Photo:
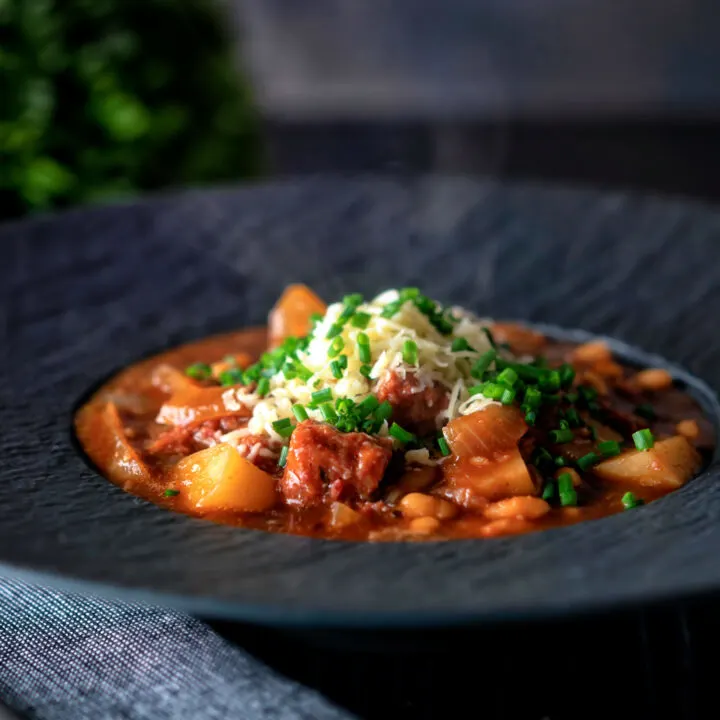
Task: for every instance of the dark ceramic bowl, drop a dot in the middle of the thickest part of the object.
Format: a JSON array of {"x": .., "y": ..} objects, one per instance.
[{"x": 88, "y": 292}]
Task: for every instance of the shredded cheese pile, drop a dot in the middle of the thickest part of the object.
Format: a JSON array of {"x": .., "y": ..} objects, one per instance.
[{"x": 435, "y": 362}]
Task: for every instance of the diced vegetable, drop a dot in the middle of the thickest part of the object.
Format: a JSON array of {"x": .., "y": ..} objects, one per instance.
[
  {"x": 486, "y": 460},
  {"x": 496, "y": 429},
  {"x": 341, "y": 515},
  {"x": 196, "y": 404},
  {"x": 505, "y": 476},
  {"x": 667, "y": 465},
  {"x": 220, "y": 479},
  {"x": 291, "y": 314},
  {"x": 109, "y": 445}
]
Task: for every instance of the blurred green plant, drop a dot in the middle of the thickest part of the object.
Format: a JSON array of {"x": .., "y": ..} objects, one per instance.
[{"x": 104, "y": 98}]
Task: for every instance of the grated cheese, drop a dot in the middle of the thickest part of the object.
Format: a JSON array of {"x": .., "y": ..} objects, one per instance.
[{"x": 435, "y": 363}]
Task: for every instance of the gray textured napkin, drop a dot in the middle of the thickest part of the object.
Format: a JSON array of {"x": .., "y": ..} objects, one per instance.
[{"x": 70, "y": 657}]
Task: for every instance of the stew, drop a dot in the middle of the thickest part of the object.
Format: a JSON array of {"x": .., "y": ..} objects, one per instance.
[{"x": 393, "y": 418}]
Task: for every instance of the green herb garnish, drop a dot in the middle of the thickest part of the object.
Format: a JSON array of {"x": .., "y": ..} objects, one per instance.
[
  {"x": 643, "y": 439},
  {"x": 198, "y": 371}
]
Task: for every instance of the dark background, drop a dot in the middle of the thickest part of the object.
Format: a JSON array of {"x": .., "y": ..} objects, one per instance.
[{"x": 676, "y": 158}]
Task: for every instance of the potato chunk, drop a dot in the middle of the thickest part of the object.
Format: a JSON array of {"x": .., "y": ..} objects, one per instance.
[
  {"x": 486, "y": 460},
  {"x": 219, "y": 478},
  {"x": 668, "y": 465},
  {"x": 291, "y": 314}
]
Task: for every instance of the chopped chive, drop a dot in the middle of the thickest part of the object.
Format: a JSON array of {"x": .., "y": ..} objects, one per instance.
[
  {"x": 588, "y": 394},
  {"x": 573, "y": 418},
  {"x": 336, "y": 347},
  {"x": 409, "y": 352},
  {"x": 630, "y": 501},
  {"x": 442, "y": 444},
  {"x": 527, "y": 372},
  {"x": 321, "y": 396},
  {"x": 409, "y": 293},
  {"x": 334, "y": 331},
  {"x": 530, "y": 417},
  {"x": 283, "y": 427},
  {"x": 234, "y": 376},
  {"x": 368, "y": 405},
  {"x": 559, "y": 437},
  {"x": 508, "y": 396},
  {"x": 198, "y": 371},
  {"x": 263, "y": 386},
  {"x": 549, "y": 490},
  {"x": 391, "y": 309},
  {"x": 566, "y": 491},
  {"x": 567, "y": 375},
  {"x": 564, "y": 424},
  {"x": 643, "y": 439},
  {"x": 493, "y": 390},
  {"x": 342, "y": 361},
  {"x": 371, "y": 426},
  {"x": 344, "y": 405},
  {"x": 646, "y": 411},
  {"x": 550, "y": 381},
  {"x": 360, "y": 320},
  {"x": 315, "y": 318},
  {"x": 401, "y": 434},
  {"x": 587, "y": 461},
  {"x": 476, "y": 389},
  {"x": 560, "y": 461},
  {"x": 353, "y": 300},
  {"x": 171, "y": 493},
  {"x": 363, "y": 344},
  {"x": 609, "y": 448},
  {"x": 565, "y": 482},
  {"x": 383, "y": 411},
  {"x": 300, "y": 413},
  {"x": 542, "y": 457},
  {"x": 482, "y": 364},
  {"x": 508, "y": 376},
  {"x": 533, "y": 397},
  {"x": 490, "y": 338},
  {"x": 252, "y": 374},
  {"x": 347, "y": 312},
  {"x": 461, "y": 345},
  {"x": 302, "y": 372},
  {"x": 365, "y": 370},
  {"x": 328, "y": 413},
  {"x": 289, "y": 371},
  {"x": 283, "y": 456},
  {"x": 336, "y": 369}
]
